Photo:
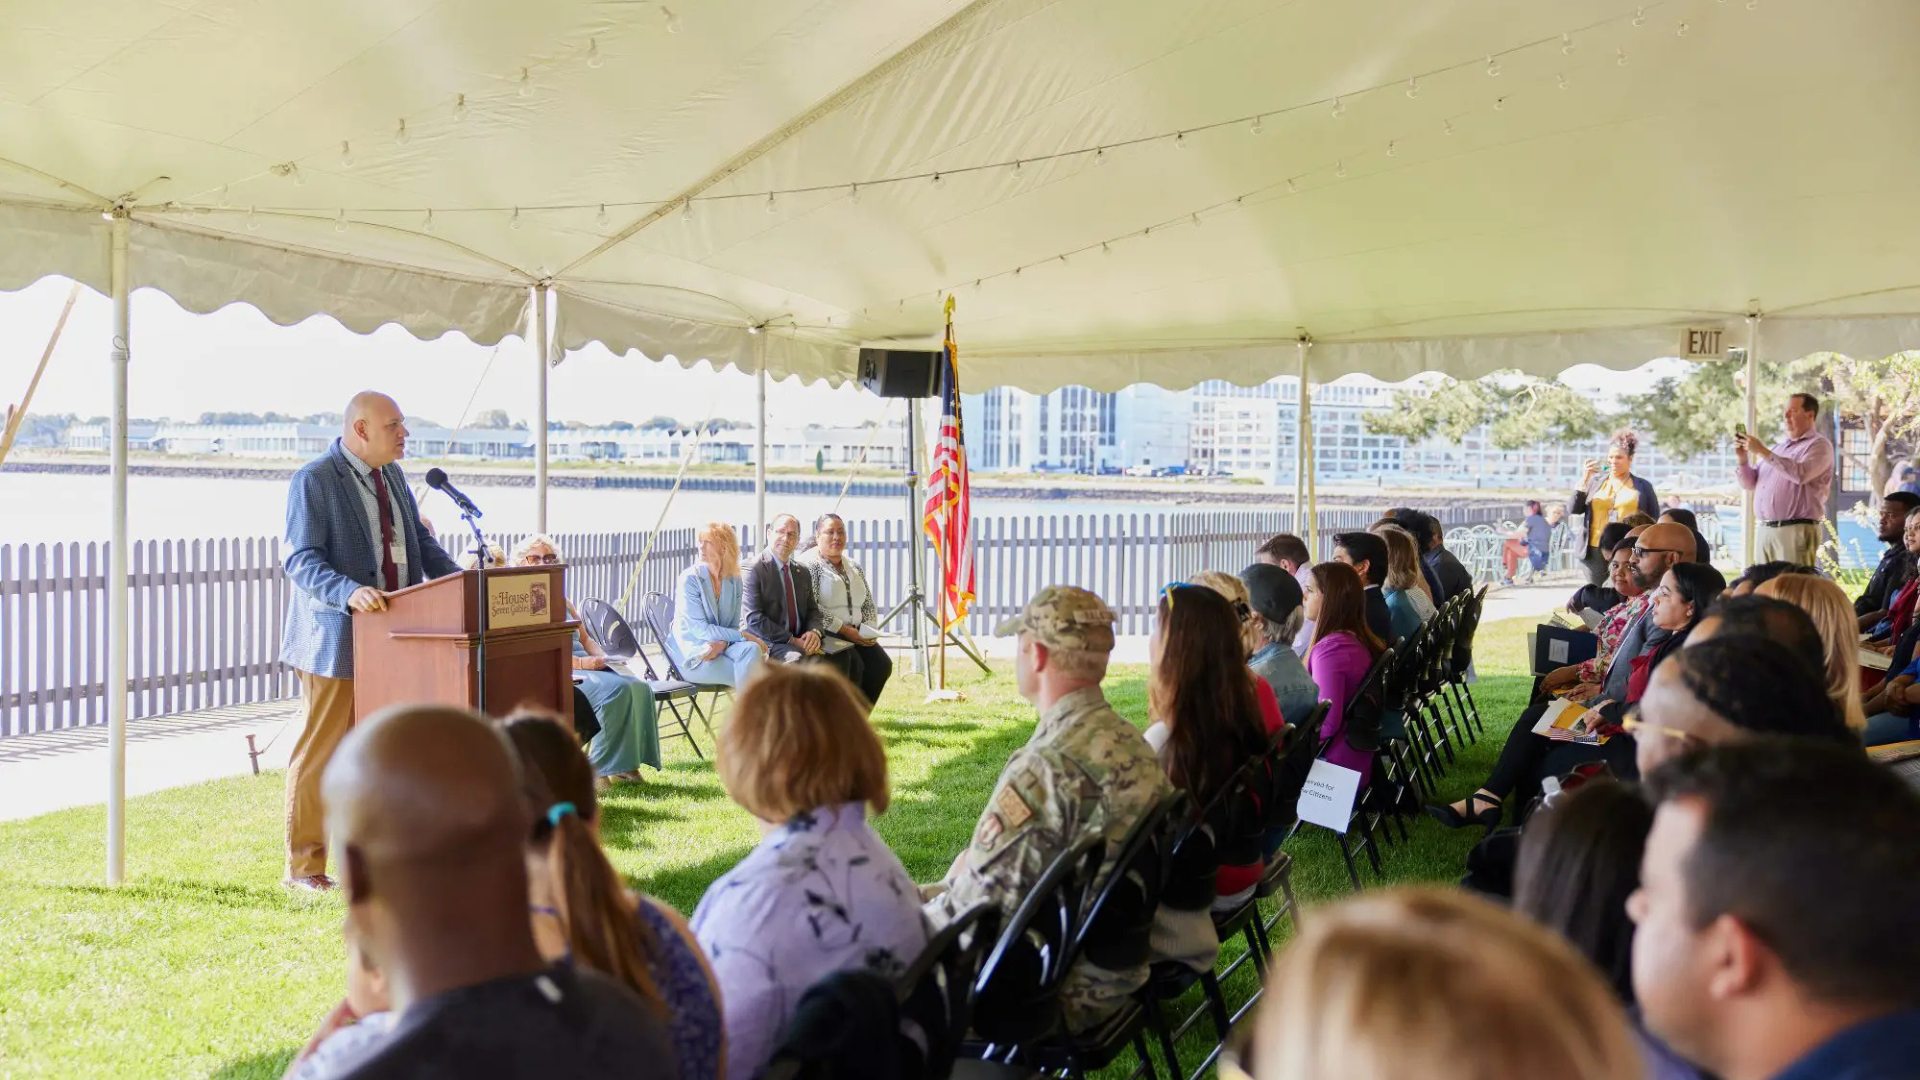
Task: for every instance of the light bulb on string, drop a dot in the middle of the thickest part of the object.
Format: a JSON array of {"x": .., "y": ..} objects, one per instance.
[
  {"x": 514, "y": 222},
  {"x": 1019, "y": 167},
  {"x": 853, "y": 193},
  {"x": 1259, "y": 125},
  {"x": 1681, "y": 30},
  {"x": 1639, "y": 16},
  {"x": 1560, "y": 80},
  {"x": 686, "y": 210},
  {"x": 1447, "y": 126},
  {"x": 346, "y": 154},
  {"x": 1180, "y": 139},
  {"x": 1106, "y": 248},
  {"x": 1063, "y": 260},
  {"x": 459, "y": 107},
  {"x": 340, "y": 222},
  {"x": 1196, "y": 220},
  {"x": 1413, "y": 87},
  {"x": 253, "y": 219},
  {"x": 1620, "y": 57},
  {"x": 600, "y": 218},
  {"x": 1340, "y": 169},
  {"x": 976, "y": 284},
  {"x": 673, "y": 21},
  {"x": 1493, "y": 67},
  {"x": 1016, "y": 271},
  {"x": 1100, "y": 155},
  {"x": 427, "y": 224},
  {"x": 226, "y": 197},
  {"x": 1339, "y": 108},
  {"x": 1566, "y": 44},
  {"x": 1499, "y": 104},
  {"x": 938, "y": 180},
  {"x": 1292, "y": 188},
  {"x": 1392, "y": 148},
  {"x": 400, "y": 133},
  {"x": 594, "y": 59},
  {"x": 526, "y": 82}
]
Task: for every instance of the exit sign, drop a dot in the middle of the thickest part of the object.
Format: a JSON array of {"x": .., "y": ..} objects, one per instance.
[{"x": 1703, "y": 343}]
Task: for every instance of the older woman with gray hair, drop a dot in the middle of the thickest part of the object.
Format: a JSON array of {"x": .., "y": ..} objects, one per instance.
[
  {"x": 629, "y": 725},
  {"x": 1275, "y": 598}
]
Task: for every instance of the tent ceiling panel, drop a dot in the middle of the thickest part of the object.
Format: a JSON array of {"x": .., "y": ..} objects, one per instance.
[{"x": 1486, "y": 192}]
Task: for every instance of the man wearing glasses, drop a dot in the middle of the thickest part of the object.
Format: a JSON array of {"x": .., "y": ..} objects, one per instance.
[{"x": 1654, "y": 553}]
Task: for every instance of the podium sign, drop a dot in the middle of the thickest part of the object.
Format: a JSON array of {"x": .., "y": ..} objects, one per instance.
[{"x": 424, "y": 647}]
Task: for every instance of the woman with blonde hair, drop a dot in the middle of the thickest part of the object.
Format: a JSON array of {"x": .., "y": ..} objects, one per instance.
[
  {"x": 1839, "y": 629},
  {"x": 1438, "y": 984},
  {"x": 822, "y": 892},
  {"x": 1405, "y": 585},
  {"x": 709, "y": 646}
]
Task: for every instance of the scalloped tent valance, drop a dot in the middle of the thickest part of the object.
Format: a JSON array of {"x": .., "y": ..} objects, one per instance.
[{"x": 1115, "y": 190}]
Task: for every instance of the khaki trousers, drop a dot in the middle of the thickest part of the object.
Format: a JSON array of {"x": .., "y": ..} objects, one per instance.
[
  {"x": 329, "y": 704},
  {"x": 1786, "y": 543}
]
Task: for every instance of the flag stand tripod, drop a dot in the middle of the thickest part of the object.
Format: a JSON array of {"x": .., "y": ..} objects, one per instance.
[{"x": 916, "y": 598}]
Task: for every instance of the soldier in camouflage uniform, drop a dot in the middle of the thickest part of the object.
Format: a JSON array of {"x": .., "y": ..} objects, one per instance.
[{"x": 1085, "y": 772}]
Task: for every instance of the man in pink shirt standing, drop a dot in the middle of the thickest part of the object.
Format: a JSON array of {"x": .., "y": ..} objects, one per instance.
[{"x": 1789, "y": 484}]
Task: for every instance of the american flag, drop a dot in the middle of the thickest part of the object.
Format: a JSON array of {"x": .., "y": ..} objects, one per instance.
[{"x": 949, "y": 510}]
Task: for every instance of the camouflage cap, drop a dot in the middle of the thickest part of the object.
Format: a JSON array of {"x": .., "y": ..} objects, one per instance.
[{"x": 1064, "y": 617}]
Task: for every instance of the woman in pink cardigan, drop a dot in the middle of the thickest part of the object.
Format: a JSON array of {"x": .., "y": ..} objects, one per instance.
[{"x": 1343, "y": 651}]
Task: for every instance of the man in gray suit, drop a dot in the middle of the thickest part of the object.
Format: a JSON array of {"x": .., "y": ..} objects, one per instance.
[
  {"x": 778, "y": 600},
  {"x": 353, "y": 535}
]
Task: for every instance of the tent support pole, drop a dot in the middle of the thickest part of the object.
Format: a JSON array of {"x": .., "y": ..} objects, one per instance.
[
  {"x": 1308, "y": 466},
  {"x": 760, "y": 447},
  {"x": 1747, "y": 522},
  {"x": 1301, "y": 427},
  {"x": 541, "y": 356},
  {"x": 117, "y": 568}
]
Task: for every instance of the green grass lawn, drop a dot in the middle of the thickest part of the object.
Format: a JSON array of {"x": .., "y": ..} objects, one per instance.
[{"x": 203, "y": 966}]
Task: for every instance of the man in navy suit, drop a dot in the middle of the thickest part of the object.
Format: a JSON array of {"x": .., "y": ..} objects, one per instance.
[{"x": 353, "y": 535}]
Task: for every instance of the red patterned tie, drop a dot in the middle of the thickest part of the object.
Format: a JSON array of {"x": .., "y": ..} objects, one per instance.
[{"x": 389, "y": 573}]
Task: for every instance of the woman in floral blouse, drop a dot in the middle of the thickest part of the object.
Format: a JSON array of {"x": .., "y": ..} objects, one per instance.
[
  {"x": 1581, "y": 681},
  {"x": 822, "y": 892}
]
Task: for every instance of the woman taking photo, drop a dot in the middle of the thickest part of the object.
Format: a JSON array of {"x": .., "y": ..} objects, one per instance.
[
  {"x": 629, "y": 732},
  {"x": 1613, "y": 495},
  {"x": 1343, "y": 652},
  {"x": 843, "y": 605},
  {"x": 712, "y": 649},
  {"x": 822, "y": 892}
]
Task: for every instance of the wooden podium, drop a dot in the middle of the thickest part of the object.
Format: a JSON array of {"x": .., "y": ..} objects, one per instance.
[{"x": 423, "y": 647}]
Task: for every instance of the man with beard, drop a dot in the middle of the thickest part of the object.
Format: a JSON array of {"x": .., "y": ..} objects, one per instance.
[{"x": 1894, "y": 566}]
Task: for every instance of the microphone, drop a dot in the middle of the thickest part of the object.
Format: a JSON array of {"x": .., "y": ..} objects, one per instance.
[{"x": 437, "y": 480}]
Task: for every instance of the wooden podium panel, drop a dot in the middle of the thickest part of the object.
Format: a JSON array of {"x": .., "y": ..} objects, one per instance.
[{"x": 424, "y": 647}]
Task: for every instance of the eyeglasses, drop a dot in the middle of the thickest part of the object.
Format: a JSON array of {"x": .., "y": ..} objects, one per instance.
[
  {"x": 548, "y": 559},
  {"x": 1640, "y": 551},
  {"x": 1633, "y": 726}
]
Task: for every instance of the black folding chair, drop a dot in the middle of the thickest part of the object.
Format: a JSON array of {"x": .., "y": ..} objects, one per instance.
[
  {"x": 1288, "y": 763},
  {"x": 657, "y": 609},
  {"x": 1116, "y": 934},
  {"x": 616, "y": 639},
  {"x": 1466, "y": 626},
  {"x": 1016, "y": 998}
]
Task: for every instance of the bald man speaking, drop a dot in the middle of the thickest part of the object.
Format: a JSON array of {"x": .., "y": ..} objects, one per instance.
[{"x": 353, "y": 535}]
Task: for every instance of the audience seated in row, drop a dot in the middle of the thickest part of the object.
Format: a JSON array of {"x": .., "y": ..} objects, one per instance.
[
  {"x": 1833, "y": 615},
  {"x": 1608, "y": 594},
  {"x": 1367, "y": 554},
  {"x": 1344, "y": 649},
  {"x": 1289, "y": 553},
  {"x": 1276, "y": 600},
  {"x": 1409, "y": 603}
]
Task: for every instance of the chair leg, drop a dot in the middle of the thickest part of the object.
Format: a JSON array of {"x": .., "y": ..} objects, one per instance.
[
  {"x": 1217, "y": 1005},
  {"x": 1346, "y": 852},
  {"x": 1257, "y": 941},
  {"x": 1157, "y": 1020},
  {"x": 1145, "y": 1054}
]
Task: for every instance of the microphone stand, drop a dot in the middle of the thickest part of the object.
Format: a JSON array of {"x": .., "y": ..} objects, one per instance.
[{"x": 479, "y": 607}]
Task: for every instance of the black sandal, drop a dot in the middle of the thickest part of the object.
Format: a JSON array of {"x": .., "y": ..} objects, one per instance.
[{"x": 1489, "y": 818}]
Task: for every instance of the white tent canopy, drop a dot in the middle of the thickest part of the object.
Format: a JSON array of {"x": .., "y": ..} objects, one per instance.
[{"x": 1629, "y": 169}]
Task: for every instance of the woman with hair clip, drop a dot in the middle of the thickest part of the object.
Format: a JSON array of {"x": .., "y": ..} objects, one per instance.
[
  {"x": 582, "y": 913},
  {"x": 1614, "y": 495},
  {"x": 1208, "y": 720},
  {"x": 1343, "y": 651}
]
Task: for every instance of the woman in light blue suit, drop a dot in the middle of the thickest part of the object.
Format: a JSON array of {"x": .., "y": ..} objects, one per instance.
[{"x": 709, "y": 645}]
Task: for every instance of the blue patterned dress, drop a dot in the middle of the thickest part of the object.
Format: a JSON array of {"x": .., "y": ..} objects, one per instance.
[
  {"x": 820, "y": 894},
  {"x": 696, "y": 1028}
]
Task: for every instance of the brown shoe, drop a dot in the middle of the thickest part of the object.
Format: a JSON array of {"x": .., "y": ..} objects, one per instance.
[{"x": 318, "y": 883}]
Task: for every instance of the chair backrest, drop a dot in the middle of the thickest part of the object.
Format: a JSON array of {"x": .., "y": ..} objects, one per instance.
[
  {"x": 1284, "y": 773},
  {"x": 936, "y": 993},
  {"x": 608, "y": 630},
  {"x": 1116, "y": 931},
  {"x": 1360, "y": 718},
  {"x": 1464, "y": 627},
  {"x": 657, "y": 609},
  {"x": 1204, "y": 844},
  {"x": 1017, "y": 995}
]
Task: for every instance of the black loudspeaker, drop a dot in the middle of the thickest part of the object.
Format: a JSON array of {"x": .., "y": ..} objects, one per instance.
[{"x": 900, "y": 372}]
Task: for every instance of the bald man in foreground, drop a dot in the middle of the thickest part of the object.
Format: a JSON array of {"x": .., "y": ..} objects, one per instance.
[
  {"x": 425, "y": 809},
  {"x": 353, "y": 535}
]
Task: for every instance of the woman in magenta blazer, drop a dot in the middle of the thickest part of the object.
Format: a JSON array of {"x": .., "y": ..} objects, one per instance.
[{"x": 1343, "y": 651}]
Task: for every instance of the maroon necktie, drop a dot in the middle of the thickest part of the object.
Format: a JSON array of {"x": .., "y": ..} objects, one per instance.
[
  {"x": 793, "y": 612},
  {"x": 389, "y": 573}
]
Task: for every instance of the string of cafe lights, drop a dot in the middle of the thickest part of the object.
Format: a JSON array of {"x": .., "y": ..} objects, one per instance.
[
  {"x": 1335, "y": 170},
  {"x": 1336, "y": 106}
]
